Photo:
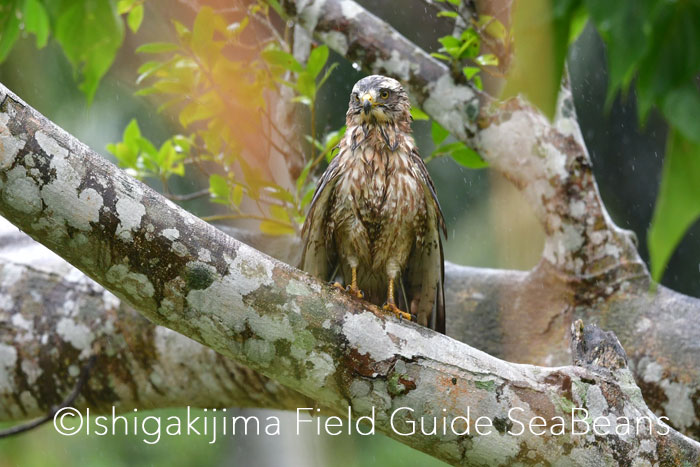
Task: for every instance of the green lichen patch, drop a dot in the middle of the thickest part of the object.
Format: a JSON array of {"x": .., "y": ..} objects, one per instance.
[
  {"x": 489, "y": 385},
  {"x": 199, "y": 276}
]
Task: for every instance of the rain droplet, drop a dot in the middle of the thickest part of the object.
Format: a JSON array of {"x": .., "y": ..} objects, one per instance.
[{"x": 356, "y": 66}]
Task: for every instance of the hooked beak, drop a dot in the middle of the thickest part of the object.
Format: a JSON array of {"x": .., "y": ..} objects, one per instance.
[{"x": 367, "y": 103}]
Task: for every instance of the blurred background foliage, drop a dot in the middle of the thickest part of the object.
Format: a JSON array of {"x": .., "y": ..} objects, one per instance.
[{"x": 185, "y": 95}]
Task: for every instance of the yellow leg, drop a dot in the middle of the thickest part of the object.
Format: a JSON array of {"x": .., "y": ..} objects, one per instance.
[
  {"x": 353, "y": 289},
  {"x": 390, "y": 304}
]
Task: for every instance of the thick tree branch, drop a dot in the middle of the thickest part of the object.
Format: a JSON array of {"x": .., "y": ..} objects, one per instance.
[
  {"x": 523, "y": 316},
  {"x": 46, "y": 301},
  {"x": 139, "y": 365},
  {"x": 181, "y": 272}
]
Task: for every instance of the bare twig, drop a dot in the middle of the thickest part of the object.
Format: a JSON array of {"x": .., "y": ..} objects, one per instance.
[
  {"x": 67, "y": 402},
  {"x": 189, "y": 196}
]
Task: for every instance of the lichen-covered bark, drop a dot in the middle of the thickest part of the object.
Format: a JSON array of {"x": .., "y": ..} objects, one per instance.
[
  {"x": 590, "y": 268},
  {"x": 50, "y": 325},
  {"x": 180, "y": 272}
]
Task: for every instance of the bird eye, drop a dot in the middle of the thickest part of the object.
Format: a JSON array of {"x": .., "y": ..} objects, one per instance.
[
  {"x": 356, "y": 97},
  {"x": 384, "y": 94}
]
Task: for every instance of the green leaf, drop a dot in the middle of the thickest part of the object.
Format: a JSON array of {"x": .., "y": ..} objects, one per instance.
[
  {"x": 90, "y": 33},
  {"x": 625, "y": 25},
  {"x": 279, "y": 193},
  {"x": 467, "y": 46},
  {"x": 148, "y": 68},
  {"x": 157, "y": 48},
  {"x": 302, "y": 176},
  {"x": 237, "y": 196},
  {"x": 331, "y": 154},
  {"x": 147, "y": 147},
  {"x": 218, "y": 187},
  {"x": 470, "y": 71},
  {"x": 317, "y": 60},
  {"x": 671, "y": 60},
  {"x": 165, "y": 156},
  {"x": 332, "y": 139},
  {"x": 308, "y": 196},
  {"x": 9, "y": 28},
  {"x": 303, "y": 100},
  {"x": 315, "y": 142},
  {"x": 447, "y": 14},
  {"x": 682, "y": 109},
  {"x": 440, "y": 56},
  {"x": 183, "y": 33},
  {"x": 493, "y": 27},
  {"x": 276, "y": 6},
  {"x": 279, "y": 213},
  {"x": 418, "y": 114},
  {"x": 447, "y": 148},
  {"x": 451, "y": 45},
  {"x": 36, "y": 20},
  {"x": 124, "y": 6},
  {"x": 438, "y": 133},
  {"x": 197, "y": 111},
  {"x": 283, "y": 59},
  {"x": 132, "y": 133},
  {"x": 326, "y": 75},
  {"x": 206, "y": 24},
  {"x": 678, "y": 204},
  {"x": 135, "y": 18},
  {"x": 487, "y": 60},
  {"x": 306, "y": 86},
  {"x": 579, "y": 19},
  {"x": 275, "y": 228},
  {"x": 467, "y": 157},
  {"x": 127, "y": 151}
]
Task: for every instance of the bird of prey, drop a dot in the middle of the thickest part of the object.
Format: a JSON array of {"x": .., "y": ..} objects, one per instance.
[{"x": 375, "y": 217}]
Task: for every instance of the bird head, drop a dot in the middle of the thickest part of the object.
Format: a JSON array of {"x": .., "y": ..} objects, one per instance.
[{"x": 378, "y": 99}]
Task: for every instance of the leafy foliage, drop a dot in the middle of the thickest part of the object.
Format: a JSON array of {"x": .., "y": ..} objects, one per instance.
[
  {"x": 464, "y": 53},
  {"x": 463, "y": 50},
  {"x": 92, "y": 47},
  {"x": 141, "y": 159},
  {"x": 221, "y": 97},
  {"x": 678, "y": 206},
  {"x": 90, "y": 32},
  {"x": 657, "y": 43},
  {"x": 458, "y": 151}
]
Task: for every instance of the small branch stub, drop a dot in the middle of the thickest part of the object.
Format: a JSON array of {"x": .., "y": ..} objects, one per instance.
[{"x": 594, "y": 348}]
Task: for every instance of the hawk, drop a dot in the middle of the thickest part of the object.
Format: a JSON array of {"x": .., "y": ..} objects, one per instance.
[{"x": 375, "y": 217}]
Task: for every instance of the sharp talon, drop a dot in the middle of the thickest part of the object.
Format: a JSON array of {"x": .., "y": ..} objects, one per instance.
[
  {"x": 337, "y": 285},
  {"x": 355, "y": 292},
  {"x": 390, "y": 307}
]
